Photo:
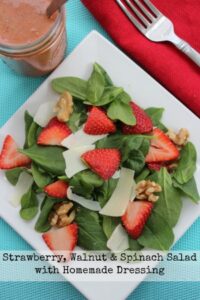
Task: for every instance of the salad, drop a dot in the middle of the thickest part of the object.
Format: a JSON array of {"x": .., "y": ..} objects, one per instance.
[{"x": 98, "y": 171}]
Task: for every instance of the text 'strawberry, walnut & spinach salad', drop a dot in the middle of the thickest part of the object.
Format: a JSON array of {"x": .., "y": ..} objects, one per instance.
[{"x": 110, "y": 174}]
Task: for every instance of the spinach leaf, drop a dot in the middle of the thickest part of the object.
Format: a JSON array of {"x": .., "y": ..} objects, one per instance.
[
  {"x": 28, "y": 119},
  {"x": 109, "y": 224},
  {"x": 189, "y": 189},
  {"x": 84, "y": 183},
  {"x": 76, "y": 86},
  {"x": 169, "y": 203},
  {"x": 78, "y": 117},
  {"x": 136, "y": 161},
  {"x": 95, "y": 85},
  {"x": 104, "y": 193},
  {"x": 155, "y": 113},
  {"x": 29, "y": 205},
  {"x": 91, "y": 235},
  {"x": 187, "y": 164},
  {"x": 107, "y": 79},
  {"x": 134, "y": 245},
  {"x": 32, "y": 134},
  {"x": 143, "y": 175},
  {"x": 42, "y": 224},
  {"x": 109, "y": 95},
  {"x": 119, "y": 110},
  {"x": 49, "y": 158},
  {"x": 13, "y": 175},
  {"x": 40, "y": 178},
  {"x": 157, "y": 233},
  {"x": 124, "y": 97}
]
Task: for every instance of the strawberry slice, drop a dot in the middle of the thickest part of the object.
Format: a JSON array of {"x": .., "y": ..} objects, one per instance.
[
  {"x": 161, "y": 149},
  {"x": 63, "y": 239},
  {"x": 54, "y": 133},
  {"x": 136, "y": 216},
  {"x": 10, "y": 157},
  {"x": 57, "y": 189},
  {"x": 104, "y": 162},
  {"x": 156, "y": 166},
  {"x": 98, "y": 123},
  {"x": 143, "y": 121}
]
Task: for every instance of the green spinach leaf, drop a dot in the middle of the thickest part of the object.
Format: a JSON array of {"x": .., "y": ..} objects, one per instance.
[
  {"x": 107, "y": 79},
  {"x": 95, "y": 85},
  {"x": 29, "y": 205},
  {"x": 41, "y": 179},
  {"x": 109, "y": 95},
  {"x": 75, "y": 86},
  {"x": 155, "y": 113},
  {"x": 42, "y": 224},
  {"x": 33, "y": 134},
  {"x": 91, "y": 235},
  {"x": 143, "y": 175},
  {"x": 49, "y": 158},
  {"x": 13, "y": 175},
  {"x": 103, "y": 194},
  {"x": 84, "y": 183},
  {"x": 136, "y": 161},
  {"x": 28, "y": 119},
  {"x": 187, "y": 164},
  {"x": 189, "y": 189},
  {"x": 134, "y": 245},
  {"x": 157, "y": 233},
  {"x": 119, "y": 110},
  {"x": 169, "y": 203},
  {"x": 78, "y": 117},
  {"x": 109, "y": 225}
]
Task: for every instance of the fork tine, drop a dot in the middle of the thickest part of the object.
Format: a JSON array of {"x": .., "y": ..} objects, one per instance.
[
  {"x": 144, "y": 10},
  {"x": 139, "y": 26},
  {"x": 136, "y": 11},
  {"x": 153, "y": 8}
]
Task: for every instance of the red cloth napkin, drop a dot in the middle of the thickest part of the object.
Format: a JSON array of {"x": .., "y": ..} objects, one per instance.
[{"x": 162, "y": 60}]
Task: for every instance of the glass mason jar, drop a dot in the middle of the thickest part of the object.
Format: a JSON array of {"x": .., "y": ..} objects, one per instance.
[{"x": 43, "y": 55}]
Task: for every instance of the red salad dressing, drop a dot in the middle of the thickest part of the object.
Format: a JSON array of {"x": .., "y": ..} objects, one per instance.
[{"x": 23, "y": 22}]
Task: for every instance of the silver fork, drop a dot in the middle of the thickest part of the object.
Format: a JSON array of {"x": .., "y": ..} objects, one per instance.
[{"x": 156, "y": 27}]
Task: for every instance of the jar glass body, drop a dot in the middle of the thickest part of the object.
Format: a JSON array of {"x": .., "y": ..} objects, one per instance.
[{"x": 42, "y": 56}]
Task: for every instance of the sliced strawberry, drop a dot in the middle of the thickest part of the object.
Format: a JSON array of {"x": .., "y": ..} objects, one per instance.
[
  {"x": 10, "y": 157},
  {"x": 161, "y": 149},
  {"x": 143, "y": 121},
  {"x": 136, "y": 216},
  {"x": 104, "y": 162},
  {"x": 63, "y": 239},
  {"x": 57, "y": 189},
  {"x": 54, "y": 133},
  {"x": 155, "y": 166},
  {"x": 98, "y": 122}
]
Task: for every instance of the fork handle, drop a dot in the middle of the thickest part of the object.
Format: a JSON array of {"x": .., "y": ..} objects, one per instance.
[{"x": 188, "y": 50}]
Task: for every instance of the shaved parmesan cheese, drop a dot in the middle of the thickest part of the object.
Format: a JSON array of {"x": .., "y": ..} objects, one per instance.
[
  {"x": 80, "y": 138},
  {"x": 133, "y": 191},
  {"x": 116, "y": 174},
  {"x": 73, "y": 160},
  {"x": 44, "y": 113},
  {"x": 117, "y": 204},
  {"x": 89, "y": 204},
  {"x": 23, "y": 185},
  {"x": 118, "y": 240}
]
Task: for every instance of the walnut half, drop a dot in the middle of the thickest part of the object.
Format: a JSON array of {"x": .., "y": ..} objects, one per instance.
[
  {"x": 145, "y": 190},
  {"x": 180, "y": 138},
  {"x": 64, "y": 107},
  {"x": 62, "y": 215}
]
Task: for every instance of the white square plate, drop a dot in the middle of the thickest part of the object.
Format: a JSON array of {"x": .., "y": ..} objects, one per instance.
[{"x": 146, "y": 91}]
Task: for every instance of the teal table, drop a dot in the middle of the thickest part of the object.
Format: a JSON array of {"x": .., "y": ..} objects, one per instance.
[{"x": 14, "y": 90}]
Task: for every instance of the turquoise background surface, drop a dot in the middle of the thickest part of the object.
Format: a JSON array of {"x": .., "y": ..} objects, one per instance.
[{"x": 14, "y": 90}]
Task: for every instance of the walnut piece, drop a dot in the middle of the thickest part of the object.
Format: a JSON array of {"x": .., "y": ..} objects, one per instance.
[
  {"x": 145, "y": 190},
  {"x": 180, "y": 138},
  {"x": 62, "y": 215},
  {"x": 64, "y": 107}
]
